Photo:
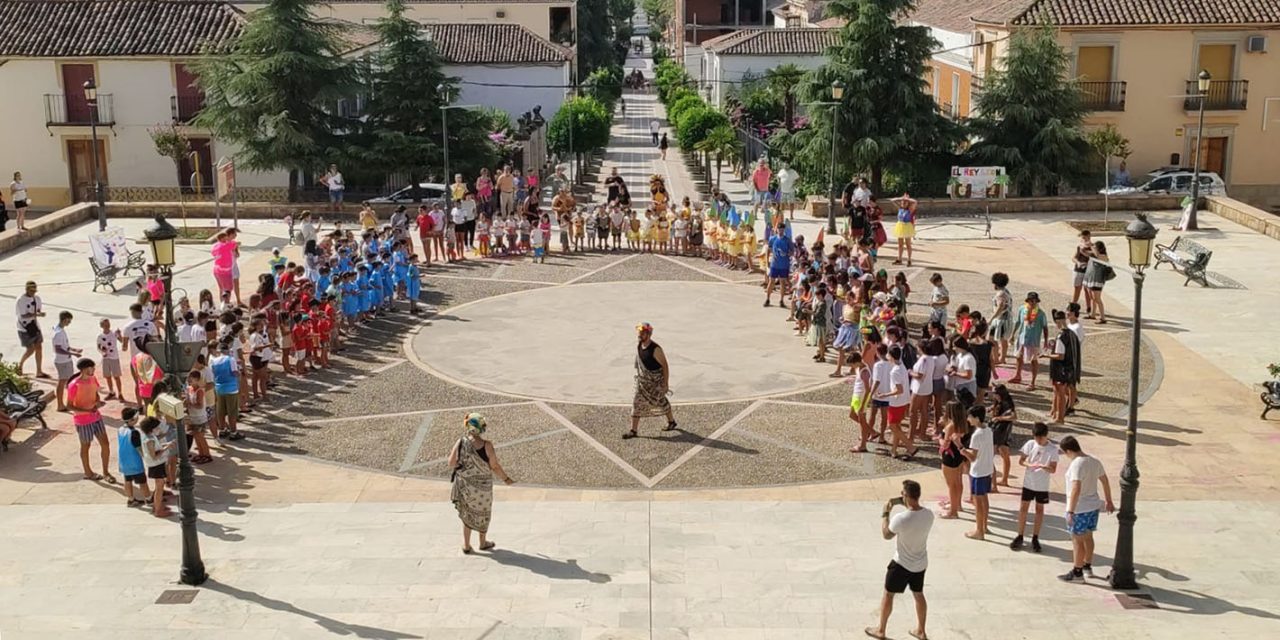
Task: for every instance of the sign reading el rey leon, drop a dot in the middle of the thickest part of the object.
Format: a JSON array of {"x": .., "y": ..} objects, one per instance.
[{"x": 978, "y": 182}]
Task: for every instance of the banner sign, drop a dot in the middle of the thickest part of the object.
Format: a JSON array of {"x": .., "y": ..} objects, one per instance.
[
  {"x": 978, "y": 182},
  {"x": 110, "y": 248}
]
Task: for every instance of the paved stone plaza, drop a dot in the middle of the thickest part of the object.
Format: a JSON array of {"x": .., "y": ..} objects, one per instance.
[{"x": 752, "y": 521}]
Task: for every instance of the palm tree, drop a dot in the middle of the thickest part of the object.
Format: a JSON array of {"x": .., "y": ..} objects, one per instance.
[
  {"x": 721, "y": 142},
  {"x": 782, "y": 81}
]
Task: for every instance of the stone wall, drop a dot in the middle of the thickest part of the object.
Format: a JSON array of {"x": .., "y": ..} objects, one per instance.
[
  {"x": 817, "y": 206},
  {"x": 1243, "y": 214}
]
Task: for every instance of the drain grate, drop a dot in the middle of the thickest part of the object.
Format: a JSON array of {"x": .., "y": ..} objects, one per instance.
[
  {"x": 177, "y": 596},
  {"x": 1137, "y": 601}
]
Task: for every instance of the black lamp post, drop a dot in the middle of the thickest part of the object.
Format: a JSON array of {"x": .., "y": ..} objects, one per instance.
[
  {"x": 443, "y": 90},
  {"x": 91, "y": 99},
  {"x": 1203, "y": 82},
  {"x": 1141, "y": 236},
  {"x": 161, "y": 236},
  {"x": 837, "y": 93}
]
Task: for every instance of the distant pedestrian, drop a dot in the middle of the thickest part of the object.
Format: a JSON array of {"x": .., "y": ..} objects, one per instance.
[
  {"x": 910, "y": 531},
  {"x": 337, "y": 187},
  {"x": 474, "y": 462},
  {"x": 663, "y": 144},
  {"x": 18, "y": 193},
  {"x": 1083, "y": 504},
  {"x": 653, "y": 131}
]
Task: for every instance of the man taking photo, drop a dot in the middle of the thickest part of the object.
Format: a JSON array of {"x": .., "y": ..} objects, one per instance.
[{"x": 910, "y": 531}]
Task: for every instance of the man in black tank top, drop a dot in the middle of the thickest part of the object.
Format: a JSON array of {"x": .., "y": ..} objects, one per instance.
[{"x": 653, "y": 378}]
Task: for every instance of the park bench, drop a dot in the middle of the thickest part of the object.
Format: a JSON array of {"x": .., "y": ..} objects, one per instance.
[
  {"x": 1270, "y": 397},
  {"x": 106, "y": 276},
  {"x": 1187, "y": 257},
  {"x": 22, "y": 406}
]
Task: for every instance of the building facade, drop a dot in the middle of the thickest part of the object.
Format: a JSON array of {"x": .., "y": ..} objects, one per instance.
[
  {"x": 137, "y": 54},
  {"x": 1137, "y": 64},
  {"x": 950, "y": 73},
  {"x": 728, "y": 59}
]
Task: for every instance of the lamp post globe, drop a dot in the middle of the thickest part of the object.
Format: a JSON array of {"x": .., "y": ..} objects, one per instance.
[
  {"x": 161, "y": 236},
  {"x": 1140, "y": 233}
]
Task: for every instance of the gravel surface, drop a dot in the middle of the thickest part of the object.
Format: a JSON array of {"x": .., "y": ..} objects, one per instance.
[
  {"x": 837, "y": 394},
  {"x": 654, "y": 449},
  {"x": 443, "y": 293},
  {"x": 746, "y": 461},
  {"x": 829, "y": 433},
  {"x": 376, "y": 444},
  {"x": 506, "y": 425},
  {"x": 561, "y": 460},
  {"x": 648, "y": 268}
]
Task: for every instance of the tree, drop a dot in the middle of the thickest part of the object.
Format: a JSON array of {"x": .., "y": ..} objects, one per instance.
[
  {"x": 605, "y": 84},
  {"x": 270, "y": 92},
  {"x": 590, "y": 121},
  {"x": 696, "y": 123},
  {"x": 885, "y": 118},
  {"x": 172, "y": 143},
  {"x": 687, "y": 102},
  {"x": 783, "y": 81},
  {"x": 1029, "y": 116},
  {"x": 720, "y": 142},
  {"x": 401, "y": 130},
  {"x": 603, "y": 33},
  {"x": 1108, "y": 143}
]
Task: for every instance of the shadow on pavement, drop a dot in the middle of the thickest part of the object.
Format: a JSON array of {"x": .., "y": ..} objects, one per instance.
[
  {"x": 336, "y": 627},
  {"x": 547, "y": 567}
]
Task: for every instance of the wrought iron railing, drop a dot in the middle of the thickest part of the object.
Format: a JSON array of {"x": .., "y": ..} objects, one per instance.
[
  {"x": 63, "y": 110},
  {"x": 1223, "y": 95},
  {"x": 1103, "y": 96}
]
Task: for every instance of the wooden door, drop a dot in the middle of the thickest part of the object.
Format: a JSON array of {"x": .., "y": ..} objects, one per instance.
[
  {"x": 1219, "y": 60},
  {"x": 204, "y": 154},
  {"x": 1093, "y": 64},
  {"x": 80, "y": 168},
  {"x": 1213, "y": 156},
  {"x": 73, "y": 78},
  {"x": 189, "y": 97}
]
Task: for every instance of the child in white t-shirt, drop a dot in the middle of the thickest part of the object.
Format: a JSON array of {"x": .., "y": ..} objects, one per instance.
[{"x": 1040, "y": 458}]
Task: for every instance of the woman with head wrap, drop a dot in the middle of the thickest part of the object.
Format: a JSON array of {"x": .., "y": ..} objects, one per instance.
[
  {"x": 653, "y": 382},
  {"x": 474, "y": 463}
]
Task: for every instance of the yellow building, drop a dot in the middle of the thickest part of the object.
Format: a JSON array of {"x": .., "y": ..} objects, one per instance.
[{"x": 1137, "y": 62}]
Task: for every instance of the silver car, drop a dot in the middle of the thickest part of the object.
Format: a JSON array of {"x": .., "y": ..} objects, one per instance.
[
  {"x": 428, "y": 192},
  {"x": 1176, "y": 183}
]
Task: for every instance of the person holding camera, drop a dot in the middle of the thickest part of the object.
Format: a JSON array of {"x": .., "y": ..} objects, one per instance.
[{"x": 910, "y": 531}]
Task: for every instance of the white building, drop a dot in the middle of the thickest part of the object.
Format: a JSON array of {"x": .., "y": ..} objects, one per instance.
[
  {"x": 554, "y": 20},
  {"x": 136, "y": 53},
  {"x": 505, "y": 66},
  {"x": 728, "y": 58}
]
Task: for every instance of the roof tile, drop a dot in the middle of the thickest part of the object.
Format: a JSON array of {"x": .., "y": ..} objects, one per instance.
[
  {"x": 774, "y": 42},
  {"x": 113, "y": 28}
]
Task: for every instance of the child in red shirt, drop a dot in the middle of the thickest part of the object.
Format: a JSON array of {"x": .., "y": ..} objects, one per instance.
[
  {"x": 301, "y": 334},
  {"x": 331, "y": 315}
]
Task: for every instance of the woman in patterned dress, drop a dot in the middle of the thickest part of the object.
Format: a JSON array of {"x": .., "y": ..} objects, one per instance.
[
  {"x": 474, "y": 462},
  {"x": 653, "y": 382}
]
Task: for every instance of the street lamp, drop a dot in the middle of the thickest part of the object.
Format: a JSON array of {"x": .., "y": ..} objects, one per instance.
[
  {"x": 444, "y": 142},
  {"x": 91, "y": 99},
  {"x": 837, "y": 93},
  {"x": 177, "y": 358},
  {"x": 1140, "y": 235},
  {"x": 1203, "y": 82}
]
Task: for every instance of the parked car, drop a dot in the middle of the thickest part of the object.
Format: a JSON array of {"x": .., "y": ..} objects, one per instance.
[
  {"x": 1177, "y": 182},
  {"x": 428, "y": 192}
]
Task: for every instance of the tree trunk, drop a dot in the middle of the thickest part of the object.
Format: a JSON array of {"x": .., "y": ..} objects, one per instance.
[
  {"x": 293, "y": 185},
  {"x": 718, "y": 160},
  {"x": 877, "y": 178},
  {"x": 789, "y": 111}
]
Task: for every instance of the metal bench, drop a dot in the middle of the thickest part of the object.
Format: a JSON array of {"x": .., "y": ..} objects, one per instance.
[
  {"x": 1270, "y": 397},
  {"x": 22, "y": 406},
  {"x": 106, "y": 276},
  {"x": 1188, "y": 257}
]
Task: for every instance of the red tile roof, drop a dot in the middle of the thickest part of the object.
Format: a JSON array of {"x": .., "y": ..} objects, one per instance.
[{"x": 112, "y": 28}]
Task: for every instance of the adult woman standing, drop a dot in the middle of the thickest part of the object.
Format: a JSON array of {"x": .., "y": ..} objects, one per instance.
[
  {"x": 952, "y": 440},
  {"x": 905, "y": 229},
  {"x": 484, "y": 192},
  {"x": 1095, "y": 277},
  {"x": 1001, "y": 316},
  {"x": 474, "y": 462},
  {"x": 18, "y": 193},
  {"x": 653, "y": 382},
  {"x": 224, "y": 259}
]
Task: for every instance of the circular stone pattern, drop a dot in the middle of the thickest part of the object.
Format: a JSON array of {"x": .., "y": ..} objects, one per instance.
[{"x": 577, "y": 343}]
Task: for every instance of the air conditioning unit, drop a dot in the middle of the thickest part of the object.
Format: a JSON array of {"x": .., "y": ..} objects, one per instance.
[
  {"x": 1256, "y": 44},
  {"x": 500, "y": 14}
]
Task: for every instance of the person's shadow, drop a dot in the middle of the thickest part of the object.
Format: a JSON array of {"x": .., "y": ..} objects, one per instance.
[
  {"x": 547, "y": 567},
  {"x": 334, "y": 627}
]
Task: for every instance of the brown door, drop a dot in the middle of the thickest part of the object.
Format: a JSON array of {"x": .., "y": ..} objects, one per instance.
[
  {"x": 73, "y": 78},
  {"x": 203, "y": 151},
  {"x": 1219, "y": 60},
  {"x": 1093, "y": 64},
  {"x": 80, "y": 167},
  {"x": 1213, "y": 156}
]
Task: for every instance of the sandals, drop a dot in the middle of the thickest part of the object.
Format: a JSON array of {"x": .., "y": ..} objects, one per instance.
[
  {"x": 627, "y": 435},
  {"x": 468, "y": 551},
  {"x": 671, "y": 426},
  {"x": 93, "y": 477},
  {"x": 487, "y": 546},
  {"x": 234, "y": 435},
  {"x": 110, "y": 479}
]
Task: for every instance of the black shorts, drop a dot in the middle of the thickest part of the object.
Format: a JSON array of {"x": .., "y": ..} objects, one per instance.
[
  {"x": 897, "y": 579},
  {"x": 158, "y": 472},
  {"x": 257, "y": 362},
  {"x": 137, "y": 478},
  {"x": 1000, "y": 433},
  {"x": 1041, "y": 497}
]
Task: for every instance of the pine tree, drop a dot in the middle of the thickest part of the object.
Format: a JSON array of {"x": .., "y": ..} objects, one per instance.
[
  {"x": 1029, "y": 116},
  {"x": 407, "y": 86},
  {"x": 886, "y": 119},
  {"x": 270, "y": 92}
]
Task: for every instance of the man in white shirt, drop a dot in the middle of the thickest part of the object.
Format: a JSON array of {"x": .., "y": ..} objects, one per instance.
[
  {"x": 28, "y": 311},
  {"x": 653, "y": 131},
  {"x": 1040, "y": 458},
  {"x": 982, "y": 466},
  {"x": 1083, "y": 504},
  {"x": 63, "y": 357},
  {"x": 787, "y": 178},
  {"x": 910, "y": 531},
  {"x": 138, "y": 329},
  {"x": 337, "y": 186}
]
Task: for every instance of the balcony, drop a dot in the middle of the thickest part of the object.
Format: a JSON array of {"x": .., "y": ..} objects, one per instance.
[
  {"x": 948, "y": 110},
  {"x": 1102, "y": 96},
  {"x": 185, "y": 108},
  {"x": 1223, "y": 95},
  {"x": 63, "y": 111},
  {"x": 975, "y": 88}
]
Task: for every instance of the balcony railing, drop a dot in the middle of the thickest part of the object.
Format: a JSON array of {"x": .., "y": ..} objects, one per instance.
[
  {"x": 1223, "y": 95},
  {"x": 1103, "y": 96},
  {"x": 949, "y": 110},
  {"x": 59, "y": 110},
  {"x": 975, "y": 88},
  {"x": 185, "y": 108}
]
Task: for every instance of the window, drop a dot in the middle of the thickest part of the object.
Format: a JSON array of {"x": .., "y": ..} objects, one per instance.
[
  {"x": 793, "y": 22},
  {"x": 200, "y": 160},
  {"x": 561, "y": 24},
  {"x": 937, "y": 80},
  {"x": 955, "y": 93}
]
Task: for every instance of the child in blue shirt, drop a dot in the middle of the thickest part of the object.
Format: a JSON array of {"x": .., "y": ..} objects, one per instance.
[{"x": 413, "y": 284}]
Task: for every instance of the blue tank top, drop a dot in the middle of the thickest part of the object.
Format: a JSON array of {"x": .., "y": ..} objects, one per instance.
[
  {"x": 225, "y": 380},
  {"x": 130, "y": 459}
]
